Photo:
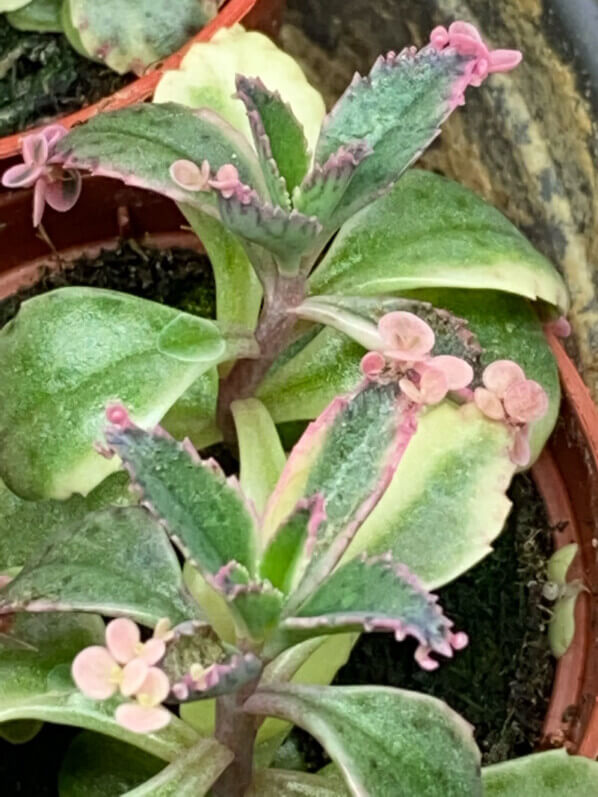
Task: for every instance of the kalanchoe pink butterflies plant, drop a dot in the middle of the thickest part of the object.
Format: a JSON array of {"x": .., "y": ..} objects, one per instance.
[{"x": 414, "y": 345}]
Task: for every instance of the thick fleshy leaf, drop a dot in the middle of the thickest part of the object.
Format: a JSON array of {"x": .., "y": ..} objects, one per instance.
[
  {"x": 432, "y": 232},
  {"x": 206, "y": 79},
  {"x": 324, "y": 187},
  {"x": 372, "y": 594},
  {"x": 385, "y": 741},
  {"x": 191, "y": 775},
  {"x": 129, "y": 36},
  {"x": 446, "y": 502},
  {"x": 551, "y": 774},
  {"x": 194, "y": 414},
  {"x": 206, "y": 515},
  {"x": 261, "y": 455},
  {"x": 35, "y": 683},
  {"x": 397, "y": 111},
  {"x": 347, "y": 456},
  {"x": 238, "y": 290},
  {"x": 277, "y": 136},
  {"x": 287, "y": 234},
  {"x": 37, "y": 15},
  {"x": 140, "y": 143},
  {"x": 199, "y": 666},
  {"x": 63, "y": 358},
  {"x": 10, "y": 5},
  {"x": 288, "y": 783},
  {"x": 256, "y": 605},
  {"x": 25, "y": 525},
  {"x": 115, "y": 562},
  {"x": 321, "y": 365},
  {"x": 96, "y": 766}
]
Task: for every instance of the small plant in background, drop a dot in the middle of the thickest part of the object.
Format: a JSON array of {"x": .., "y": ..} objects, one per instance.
[
  {"x": 126, "y": 35},
  {"x": 411, "y": 340}
]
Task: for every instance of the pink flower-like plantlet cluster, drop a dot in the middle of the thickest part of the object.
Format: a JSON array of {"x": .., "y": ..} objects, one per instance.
[
  {"x": 508, "y": 396},
  {"x": 407, "y": 342},
  {"x": 466, "y": 40},
  {"x": 191, "y": 177},
  {"x": 125, "y": 665},
  {"x": 41, "y": 169}
]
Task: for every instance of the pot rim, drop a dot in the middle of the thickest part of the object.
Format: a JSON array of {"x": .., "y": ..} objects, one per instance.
[
  {"x": 566, "y": 473},
  {"x": 140, "y": 89}
]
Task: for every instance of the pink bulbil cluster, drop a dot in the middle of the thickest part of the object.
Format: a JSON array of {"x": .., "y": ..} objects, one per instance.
[
  {"x": 125, "y": 665},
  {"x": 508, "y": 396},
  {"x": 466, "y": 40},
  {"x": 407, "y": 342},
  {"x": 60, "y": 188},
  {"x": 191, "y": 177}
]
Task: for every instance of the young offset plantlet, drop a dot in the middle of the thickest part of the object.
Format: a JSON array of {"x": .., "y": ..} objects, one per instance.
[{"x": 423, "y": 404}]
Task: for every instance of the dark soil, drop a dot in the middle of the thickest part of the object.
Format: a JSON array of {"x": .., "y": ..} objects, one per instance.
[
  {"x": 501, "y": 683},
  {"x": 42, "y": 77}
]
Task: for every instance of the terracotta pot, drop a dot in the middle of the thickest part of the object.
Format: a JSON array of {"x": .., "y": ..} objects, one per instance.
[
  {"x": 566, "y": 473},
  {"x": 262, "y": 14}
]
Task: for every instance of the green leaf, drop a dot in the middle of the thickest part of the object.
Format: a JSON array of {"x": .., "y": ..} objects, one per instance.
[
  {"x": 288, "y": 783},
  {"x": 11, "y": 5},
  {"x": 191, "y": 775},
  {"x": 551, "y": 774},
  {"x": 54, "y": 389},
  {"x": 20, "y": 731},
  {"x": 277, "y": 132},
  {"x": 25, "y": 525},
  {"x": 35, "y": 683},
  {"x": 115, "y": 562},
  {"x": 97, "y": 766},
  {"x": 371, "y": 594},
  {"x": 385, "y": 741},
  {"x": 140, "y": 143},
  {"x": 261, "y": 454},
  {"x": 206, "y": 515},
  {"x": 238, "y": 290},
  {"x": 287, "y": 234},
  {"x": 397, "y": 111},
  {"x": 206, "y": 79},
  {"x": 191, "y": 340},
  {"x": 432, "y": 232},
  {"x": 321, "y": 366},
  {"x": 131, "y": 35},
  {"x": 446, "y": 502},
  {"x": 324, "y": 187},
  {"x": 194, "y": 414},
  {"x": 37, "y": 15},
  {"x": 225, "y": 669},
  {"x": 347, "y": 456}
]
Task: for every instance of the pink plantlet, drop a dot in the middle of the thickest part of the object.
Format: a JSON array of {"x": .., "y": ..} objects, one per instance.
[
  {"x": 228, "y": 183},
  {"x": 41, "y": 170},
  {"x": 405, "y": 336},
  {"x": 432, "y": 387},
  {"x": 508, "y": 396},
  {"x": 458, "y": 372},
  {"x": 188, "y": 175},
  {"x": 466, "y": 40},
  {"x": 117, "y": 415},
  {"x": 125, "y": 665},
  {"x": 372, "y": 364},
  {"x": 559, "y": 327}
]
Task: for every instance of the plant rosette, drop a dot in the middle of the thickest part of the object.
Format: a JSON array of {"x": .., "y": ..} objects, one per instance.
[{"x": 415, "y": 348}]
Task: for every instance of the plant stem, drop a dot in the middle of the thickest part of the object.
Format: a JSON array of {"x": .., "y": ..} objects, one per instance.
[
  {"x": 235, "y": 730},
  {"x": 273, "y": 334}
]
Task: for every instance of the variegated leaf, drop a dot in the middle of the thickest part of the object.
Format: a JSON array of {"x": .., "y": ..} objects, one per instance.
[
  {"x": 397, "y": 111},
  {"x": 385, "y": 741},
  {"x": 206, "y": 515},
  {"x": 114, "y": 562},
  {"x": 433, "y": 232}
]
